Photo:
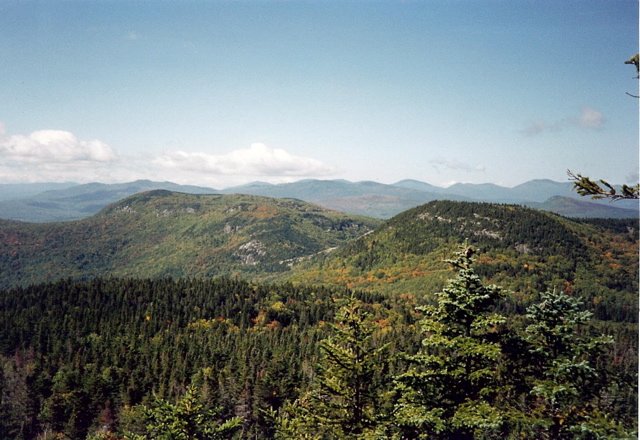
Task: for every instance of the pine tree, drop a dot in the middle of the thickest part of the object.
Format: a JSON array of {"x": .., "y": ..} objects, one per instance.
[
  {"x": 451, "y": 389},
  {"x": 349, "y": 392}
]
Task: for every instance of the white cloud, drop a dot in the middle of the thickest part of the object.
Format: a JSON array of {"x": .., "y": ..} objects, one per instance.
[
  {"x": 53, "y": 146},
  {"x": 54, "y": 156},
  {"x": 440, "y": 162},
  {"x": 58, "y": 156},
  {"x": 590, "y": 119},
  {"x": 258, "y": 160}
]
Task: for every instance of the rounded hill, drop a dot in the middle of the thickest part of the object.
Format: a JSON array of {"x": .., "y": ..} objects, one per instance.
[
  {"x": 164, "y": 233},
  {"x": 521, "y": 248}
]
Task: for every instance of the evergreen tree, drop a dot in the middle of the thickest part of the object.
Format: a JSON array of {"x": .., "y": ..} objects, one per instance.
[
  {"x": 604, "y": 190},
  {"x": 569, "y": 386},
  {"x": 188, "y": 419},
  {"x": 451, "y": 390},
  {"x": 349, "y": 392}
]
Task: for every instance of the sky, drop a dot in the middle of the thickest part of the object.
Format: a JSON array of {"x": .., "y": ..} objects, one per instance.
[{"x": 223, "y": 93}]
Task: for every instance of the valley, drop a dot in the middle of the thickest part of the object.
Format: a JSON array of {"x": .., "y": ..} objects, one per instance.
[{"x": 319, "y": 220}]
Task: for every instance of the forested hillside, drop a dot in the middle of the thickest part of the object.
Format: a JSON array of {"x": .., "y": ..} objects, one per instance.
[
  {"x": 146, "y": 330},
  {"x": 75, "y": 355},
  {"x": 161, "y": 233},
  {"x": 522, "y": 249},
  {"x": 105, "y": 359}
]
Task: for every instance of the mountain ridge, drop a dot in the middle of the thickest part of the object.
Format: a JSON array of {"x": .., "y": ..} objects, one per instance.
[
  {"x": 372, "y": 199},
  {"x": 520, "y": 248},
  {"x": 164, "y": 233},
  {"x": 161, "y": 233}
]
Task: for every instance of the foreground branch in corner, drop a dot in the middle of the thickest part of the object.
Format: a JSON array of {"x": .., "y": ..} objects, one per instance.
[{"x": 586, "y": 187}]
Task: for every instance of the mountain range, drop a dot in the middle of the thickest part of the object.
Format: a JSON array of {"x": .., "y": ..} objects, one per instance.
[
  {"x": 161, "y": 233},
  {"x": 236, "y": 295},
  {"x": 64, "y": 202}
]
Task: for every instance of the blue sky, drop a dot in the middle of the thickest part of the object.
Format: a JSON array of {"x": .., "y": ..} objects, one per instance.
[{"x": 220, "y": 93}]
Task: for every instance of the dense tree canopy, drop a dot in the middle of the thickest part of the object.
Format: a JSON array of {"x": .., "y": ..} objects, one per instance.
[{"x": 164, "y": 358}]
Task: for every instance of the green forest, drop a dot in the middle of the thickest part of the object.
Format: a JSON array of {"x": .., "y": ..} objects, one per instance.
[{"x": 452, "y": 320}]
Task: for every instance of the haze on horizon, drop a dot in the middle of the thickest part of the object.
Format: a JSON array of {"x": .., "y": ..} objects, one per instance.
[{"x": 222, "y": 93}]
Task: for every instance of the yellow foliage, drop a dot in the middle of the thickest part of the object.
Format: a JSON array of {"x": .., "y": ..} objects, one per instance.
[{"x": 278, "y": 306}]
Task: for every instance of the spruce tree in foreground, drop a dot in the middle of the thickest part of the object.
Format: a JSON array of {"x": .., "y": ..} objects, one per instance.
[
  {"x": 569, "y": 391},
  {"x": 348, "y": 394},
  {"x": 452, "y": 389},
  {"x": 188, "y": 419}
]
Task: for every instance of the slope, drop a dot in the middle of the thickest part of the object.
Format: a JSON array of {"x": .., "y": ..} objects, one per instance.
[
  {"x": 522, "y": 249},
  {"x": 10, "y": 191},
  {"x": 161, "y": 233},
  {"x": 571, "y": 207}
]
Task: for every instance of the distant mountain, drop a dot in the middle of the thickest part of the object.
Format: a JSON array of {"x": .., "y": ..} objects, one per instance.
[
  {"x": 384, "y": 201},
  {"x": 312, "y": 190},
  {"x": 81, "y": 201},
  {"x": 420, "y": 186},
  {"x": 486, "y": 192},
  {"x": 10, "y": 191},
  {"x": 163, "y": 233},
  {"x": 570, "y": 207},
  {"x": 539, "y": 190},
  {"x": 250, "y": 185},
  {"x": 367, "y": 198},
  {"x": 377, "y": 206}
]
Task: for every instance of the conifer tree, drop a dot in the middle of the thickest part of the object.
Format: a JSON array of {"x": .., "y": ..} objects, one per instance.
[
  {"x": 349, "y": 392},
  {"x": 567, "y": 390},
  {"x": 188, "y": 419},
  {"x": 451, "y": 389},
  {"x": 604, "y": 190}
]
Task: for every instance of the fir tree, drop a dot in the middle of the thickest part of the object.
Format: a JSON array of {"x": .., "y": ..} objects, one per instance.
[
  {"x": 348, "y": 394},
  {"x": 451, "y": 389},
  {"x": 569, "y": 386},
  {"x": 188, "y": 419},
  {"x": 604, "y": 190}
]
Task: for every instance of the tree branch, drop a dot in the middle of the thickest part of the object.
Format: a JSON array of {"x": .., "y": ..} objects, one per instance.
[{"x": 587, "y": 187}]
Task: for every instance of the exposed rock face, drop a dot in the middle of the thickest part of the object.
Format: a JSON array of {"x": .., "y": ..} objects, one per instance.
[
  {"x": 228, "y": 229},
  {"x": 250, "y": 252},
  {"x": 524, "y": 248}
]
